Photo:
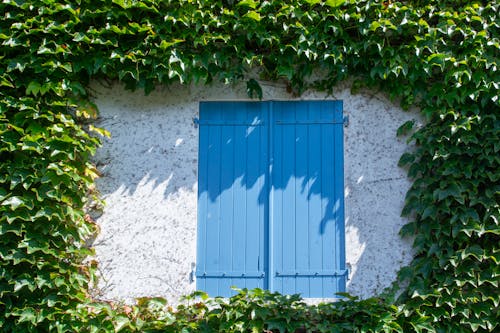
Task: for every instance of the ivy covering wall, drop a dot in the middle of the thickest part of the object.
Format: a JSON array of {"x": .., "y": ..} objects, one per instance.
[{"x": 441, "y": 56}]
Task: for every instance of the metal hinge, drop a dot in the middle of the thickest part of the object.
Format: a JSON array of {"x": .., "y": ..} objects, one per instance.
[
  {"x": 230, "y": 274},
  {"x": 346, "y": 120},
  {"x": 196, "y": 122},
  {"x": 192, "y": 274},
  {"x": 314, "y": 273}
]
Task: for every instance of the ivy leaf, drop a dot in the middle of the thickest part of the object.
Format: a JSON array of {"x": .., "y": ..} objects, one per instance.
[
  {"x": 453, "y": 190},
  {"x": 5, "y": 82},
  {"x": 253, "y": 87},
  {"x": 7, "y": 228},
  {"x": 121, "y": 322},
  {"x": 405, "y": 159},
  {"x": 24, "y": 282},
  {"x": 14, "y": 202},
  {"x": 33, "y": 88},
  {"x": 405, "y": 128},
  {"x": 286, "y": 71},
  {"x": 123, "y": 3},
  {"x": 27, "y": 315},
  {"x": 475, "y": 251},
  {"x": 423, "y": 323},
  {"x": 248, "y": 4},
  {"x": 437, "y": 59},
  {"x": 102, "y": 132},
  {"x": 165, "y": 45},
  {"x": 334, "y": 3},
  {"x": 253, "y": 15}
]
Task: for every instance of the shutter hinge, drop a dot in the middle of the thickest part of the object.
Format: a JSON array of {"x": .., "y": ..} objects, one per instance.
[
  {"x": 346, "y": 120},
  {"x": 196, "y": 122},
  {"x": 314, "y": 273},
  {"x": 192, "y": 274}
]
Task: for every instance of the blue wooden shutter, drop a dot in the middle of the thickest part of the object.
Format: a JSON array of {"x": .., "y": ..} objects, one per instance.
[
  {"x": 270, "y": 207},
  {"x": 307, "y": 199},
  {"x": 232, "y": 196}
]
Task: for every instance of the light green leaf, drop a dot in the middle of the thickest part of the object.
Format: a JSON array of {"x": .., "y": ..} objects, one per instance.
[
  {"x": 248, "y": 3},
  {"x": 253, "y": 15},
  {"x": 100, "y": 131},
  {"x": 33, "y": 88},
  {"x": 121, "y": 322},
  {"x": 437, "y": 59},
  {"x": 334, "y": 3},
  {"x": 28, "y": 315},
  {"x": 5, "y": 82},
  {"x": 286, "y": 71},
  {"x": 164, "y": 44}
]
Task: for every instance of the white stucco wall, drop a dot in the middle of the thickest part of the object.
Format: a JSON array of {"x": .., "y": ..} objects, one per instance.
[{"x": 147, "y": 244}]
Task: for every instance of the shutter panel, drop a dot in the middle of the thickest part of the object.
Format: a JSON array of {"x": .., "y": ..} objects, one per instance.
[
  {"x": 232, "y": 196},
  {"x": 307, "y": 199}
]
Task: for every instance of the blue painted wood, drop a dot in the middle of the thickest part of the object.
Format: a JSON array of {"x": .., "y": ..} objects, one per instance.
[
  {"x": 213, "y": 203},
  {"x": 257, "y": 195},
  {"x": 327, "y": 225},
  {"x": 270, "y": 204},
  {"x": 226, "y": 196},
  {"x": 315, "y": 240},
  {"x": 240, "y": 198},
  {"x": 289, "y": 209},
  {"x": 233, "y": 162},
  {"x": 339, "y": 198},
  {"x": 311, "y": 224},
  {"x": 269, "y": 238},
  {"x": 202, "y": 204}
]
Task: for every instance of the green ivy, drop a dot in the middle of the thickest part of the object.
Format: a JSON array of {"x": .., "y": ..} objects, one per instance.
[{"x": 441, "y": 56}]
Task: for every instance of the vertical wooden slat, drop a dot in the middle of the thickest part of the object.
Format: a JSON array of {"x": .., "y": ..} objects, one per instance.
[
  {"x": 202, "y": 201},
  {"x": 301, "y": 175},
  {"x": 251, "y": 178},
  {"x": 327, "y": 222},
  {"x": 226, "y": 195},
  {"x": 277, "y": 191},
  {"x": 240, "y": 196},
  {"x": 314, "y": 195},
  {"x": 213, "y": 204},
  {"x": 264, "y": 195},
  {"x": 289, "y": 221},
  {"x": 339, "y": 197}
]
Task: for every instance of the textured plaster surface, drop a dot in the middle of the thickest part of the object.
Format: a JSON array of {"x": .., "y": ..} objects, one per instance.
[{"x": 147, "y": 244}]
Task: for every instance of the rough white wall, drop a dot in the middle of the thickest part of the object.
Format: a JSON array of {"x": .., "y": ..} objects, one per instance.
[{"x": 147, "y": 244}]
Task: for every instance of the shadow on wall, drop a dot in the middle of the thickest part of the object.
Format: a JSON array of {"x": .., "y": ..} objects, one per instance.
[
  {"x": 146, "y": 246},
  {"x": 153, "y": 147},
  {"x": 149, "y": 169}
]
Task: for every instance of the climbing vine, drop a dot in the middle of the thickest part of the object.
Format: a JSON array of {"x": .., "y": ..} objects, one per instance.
[{"x": 441, "y": 56}]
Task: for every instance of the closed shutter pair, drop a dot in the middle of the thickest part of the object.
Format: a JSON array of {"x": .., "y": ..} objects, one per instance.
[{"x": 270, "y": 197}]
